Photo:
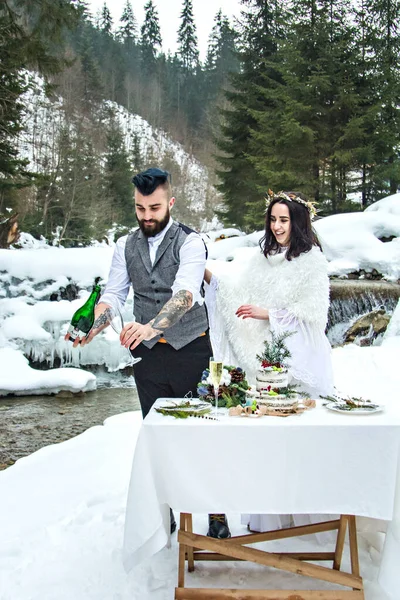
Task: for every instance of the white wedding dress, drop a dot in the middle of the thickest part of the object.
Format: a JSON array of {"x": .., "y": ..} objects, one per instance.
[{"x": 310, "y": 367}]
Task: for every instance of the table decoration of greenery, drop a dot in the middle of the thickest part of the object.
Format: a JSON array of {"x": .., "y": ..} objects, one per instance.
[{"x": 232, "y": 390}]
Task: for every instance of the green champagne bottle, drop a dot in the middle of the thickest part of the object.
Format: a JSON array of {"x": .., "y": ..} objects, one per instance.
[{"x": 83, "y": 319}]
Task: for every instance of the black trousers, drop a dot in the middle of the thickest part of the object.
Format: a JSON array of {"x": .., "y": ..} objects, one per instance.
[{"x": 165, "y": 372}]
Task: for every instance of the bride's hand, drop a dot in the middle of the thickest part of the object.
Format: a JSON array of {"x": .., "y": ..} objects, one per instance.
[{"x": 249, "y": 311}]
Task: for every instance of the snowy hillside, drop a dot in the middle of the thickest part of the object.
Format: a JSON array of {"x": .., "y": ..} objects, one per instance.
[{"x": 46, "y": 117}]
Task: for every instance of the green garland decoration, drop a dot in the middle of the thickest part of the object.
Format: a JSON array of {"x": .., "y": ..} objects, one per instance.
[{"x": 182, "y": 414}]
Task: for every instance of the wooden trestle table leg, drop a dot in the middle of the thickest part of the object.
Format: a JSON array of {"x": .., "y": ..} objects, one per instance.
[
  {"x": 190, "y": 556},
  {"x": 340, "y": 542},
  {"x": 182, "y": 553},
  {"x": 355, "y": 566},
  {"x": 236, "y": 549}
]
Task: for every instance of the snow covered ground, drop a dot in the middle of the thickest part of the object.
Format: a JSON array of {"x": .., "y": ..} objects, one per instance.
[
  {"x": 362, "y": 240},
  {"x": 18, "y": 378},
  {"x": 62, "y": 515},
  {"x": 62, "y": 508}
]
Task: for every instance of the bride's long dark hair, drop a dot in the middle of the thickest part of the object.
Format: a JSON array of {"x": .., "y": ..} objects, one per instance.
[{"x": 302, "y": 235}]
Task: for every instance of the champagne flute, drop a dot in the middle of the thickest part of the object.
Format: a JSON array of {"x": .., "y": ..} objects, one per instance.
[
  {"x": 216, "y": 376},
  {"x": 117, "y": 323}
]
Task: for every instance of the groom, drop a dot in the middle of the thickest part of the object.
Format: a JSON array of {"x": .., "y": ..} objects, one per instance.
[{"x": 164, "y": 261}]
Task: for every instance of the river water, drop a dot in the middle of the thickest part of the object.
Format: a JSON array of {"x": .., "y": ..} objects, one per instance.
[{"x": 28, "y": 423}]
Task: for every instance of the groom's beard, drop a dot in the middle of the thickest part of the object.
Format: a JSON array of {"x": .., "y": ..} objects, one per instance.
[{"x": 154, "y": 226}]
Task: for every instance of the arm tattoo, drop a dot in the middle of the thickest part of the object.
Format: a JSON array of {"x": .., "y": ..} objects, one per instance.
[
  {"x": 104, "y": 318},
  {"x": 173, "y": 310}
]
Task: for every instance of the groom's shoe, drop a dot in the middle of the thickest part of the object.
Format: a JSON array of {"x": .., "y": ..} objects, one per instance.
[
  {"x": 218, "y": 526},
  {"x": 172, "y": 521}
]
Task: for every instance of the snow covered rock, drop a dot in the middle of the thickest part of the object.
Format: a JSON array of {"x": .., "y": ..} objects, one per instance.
[
  {"x": 353, "y": 241},
  {"x": 18, "y": 378}
]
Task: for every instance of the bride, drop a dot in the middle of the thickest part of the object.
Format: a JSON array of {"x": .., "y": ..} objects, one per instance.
[{"x": 282, "y": 288}]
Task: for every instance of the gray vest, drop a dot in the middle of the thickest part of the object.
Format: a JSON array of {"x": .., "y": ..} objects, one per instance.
[{"x": 152, "y": 285}]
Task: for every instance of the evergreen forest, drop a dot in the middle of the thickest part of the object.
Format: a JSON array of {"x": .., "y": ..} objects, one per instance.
[{"x": 301, "y": 95}]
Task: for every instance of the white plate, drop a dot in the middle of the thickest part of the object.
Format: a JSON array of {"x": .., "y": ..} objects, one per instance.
[{"x": 336, "y": 407}]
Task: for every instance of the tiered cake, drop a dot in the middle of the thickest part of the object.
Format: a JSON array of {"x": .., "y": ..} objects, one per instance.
[
  {"x": 269, "y": 382},
  {"x": 268, "y": 378},
  {"x": 272, "y": 376}
]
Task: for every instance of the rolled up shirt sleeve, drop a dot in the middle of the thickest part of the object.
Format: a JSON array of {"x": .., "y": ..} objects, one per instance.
[
  {"x": 118, "y": 284},
  {"x": 190, "y": 274}
]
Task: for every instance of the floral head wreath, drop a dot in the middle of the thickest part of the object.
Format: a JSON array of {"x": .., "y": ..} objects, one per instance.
[{"x": 290, "y": 197}]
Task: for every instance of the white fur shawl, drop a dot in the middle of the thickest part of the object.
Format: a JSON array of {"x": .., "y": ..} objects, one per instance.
[{"x": 301, "y": 286}]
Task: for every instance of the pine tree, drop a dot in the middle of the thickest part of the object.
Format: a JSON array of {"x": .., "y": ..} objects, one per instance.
[
  {"x": 92, "y": 83},
  {"x": 240, "y": 182},
  {"x": 127, "y": 31},
  {"x": 226, "y": 55},
  {"x": 74, "y": 211},
  {"x": 221, "y": 62},
  {"x": 128, "y": 35},
  {"x": 117, "y": 176},
  {"x": 221, "y": 55},
  {"x": 308, "y": 90},
  {"x": 171, "y": 82},
  {"x": 338, "y": 152},
  {"x": 298, "y": 141},
  {"x": 359, "y": 132},
  {"x": 84, "y": 11},
  {"x": 150, "y": 34},
  {"x": 384, "y": 39},
  {"x": 213, "y": 42},
  {"x": 25, "y": 43},
  {"x": 106, "y": 21},
  {"x": 12, "y": 85},
  {"x": 187, "y": 38},
  {"x": 136, "y": 157}
]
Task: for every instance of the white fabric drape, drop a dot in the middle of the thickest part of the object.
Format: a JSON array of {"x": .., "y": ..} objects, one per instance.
[{"x": 317, "y": 462}]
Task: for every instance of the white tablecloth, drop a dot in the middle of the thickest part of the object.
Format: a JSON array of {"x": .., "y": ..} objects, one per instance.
[{"x": 316, "y": 462}]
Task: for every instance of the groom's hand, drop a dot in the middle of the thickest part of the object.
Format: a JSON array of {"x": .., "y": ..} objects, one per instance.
[
  {"x": 101, "y": 321},
  {"x": 134, "y": 333},
  {"x": 249, "y": 311}
]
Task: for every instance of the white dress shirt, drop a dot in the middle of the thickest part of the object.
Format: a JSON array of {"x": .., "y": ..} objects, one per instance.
[{"x": 192, "y": 262}]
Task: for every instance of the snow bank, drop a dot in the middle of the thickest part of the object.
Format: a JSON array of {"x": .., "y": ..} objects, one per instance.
[
  {"x": 371, "y": 372},
  {"x": 211, "y": 236},
  {"x": 226, "y": 249},
  {"x": 18, "y": 378},
  {"x": 81, "y": 265},
  {"x": 352, "y": 242},
  {"x": 393, "y": 329},
  {"x": 388, "y": 205},
  {"x": 64, "y": 507}
]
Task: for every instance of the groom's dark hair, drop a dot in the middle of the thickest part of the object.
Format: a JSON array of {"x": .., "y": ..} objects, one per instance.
[
  {"x": 148, "y": 181},
  {"x": 302, "y": 235}
]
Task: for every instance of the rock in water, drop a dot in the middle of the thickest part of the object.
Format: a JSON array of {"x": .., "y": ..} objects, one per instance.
[{"x": 377, "y": 320}]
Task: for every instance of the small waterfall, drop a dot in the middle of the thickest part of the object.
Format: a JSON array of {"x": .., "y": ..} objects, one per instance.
[{"x": 352, "y": 299}]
